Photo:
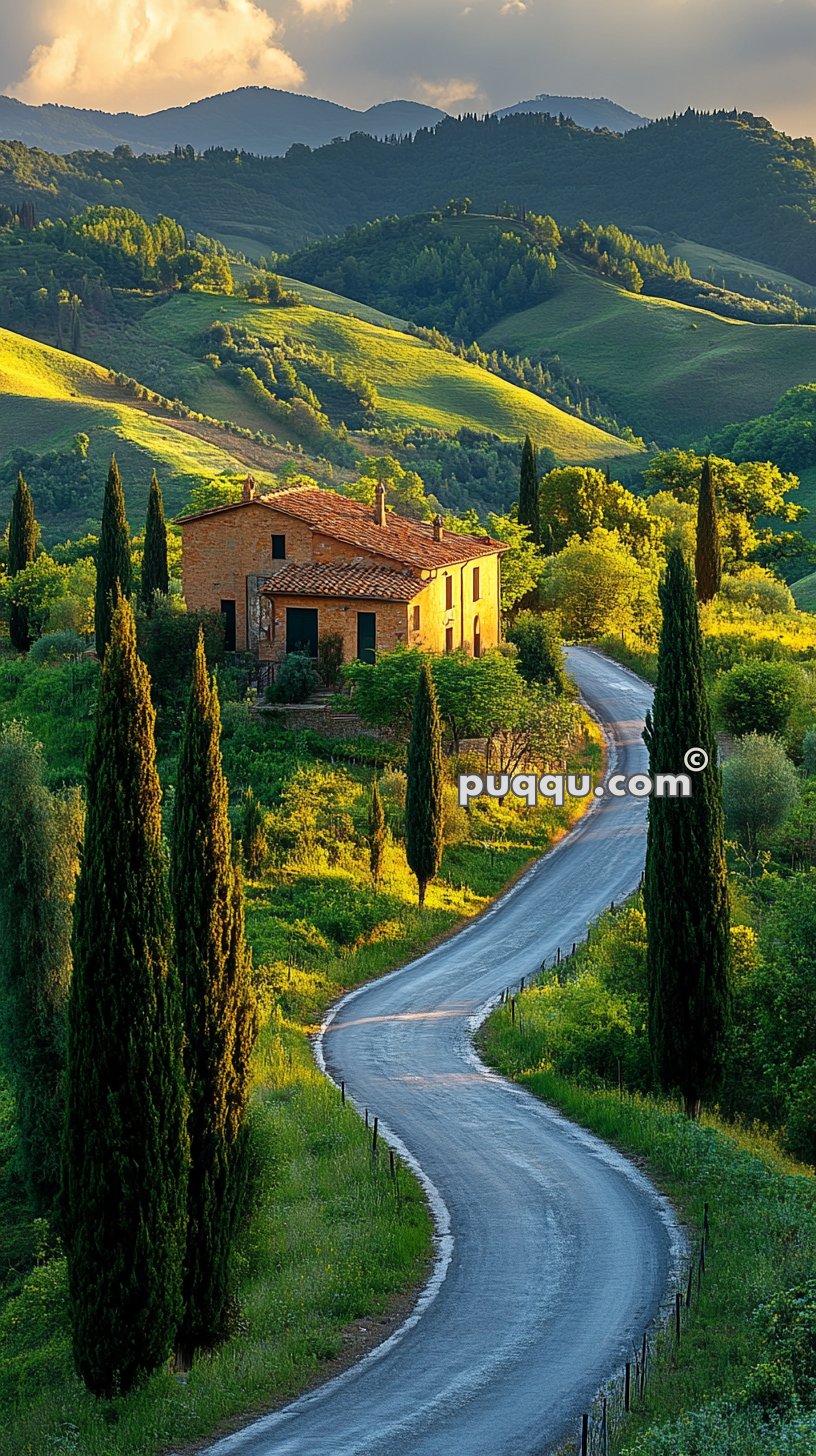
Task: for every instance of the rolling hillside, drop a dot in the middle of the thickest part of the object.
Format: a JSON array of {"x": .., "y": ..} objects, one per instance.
[
  {"x": 47, "y": 398},
  {"x": 417, "y": 384},
  {"x": 674, "y": 373}
]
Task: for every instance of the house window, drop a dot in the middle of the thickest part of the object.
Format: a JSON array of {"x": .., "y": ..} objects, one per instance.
[
  {"x": 448, "y": 592},
  {"x": 477, "y": 587},
  {"x": 416, "y": 618},
  {"x": 278, "y": 548},
  {"x": 477, "y": 637},
  {"x": 228, "y": 613},
  {"x": 449, "y": 639}
]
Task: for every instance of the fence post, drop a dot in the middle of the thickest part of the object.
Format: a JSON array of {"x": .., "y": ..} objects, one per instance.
[
  {"x": 374, "y": 1139},
  {"x": 391, "y": 1164},
  {"x": 513, "y": 1009},
  {"x": 584, "y": 1435},
  {"x": 343, "y": 1093},
  {"x": 688, "y": 1286},
  {"x": 677, "y": 1304},
  {"x": 627, "y": 1387},
  {"x": 366, "y": 1120},
  {"x": 605, "y": 1429},
  {"x": 644, "y": 1355}
]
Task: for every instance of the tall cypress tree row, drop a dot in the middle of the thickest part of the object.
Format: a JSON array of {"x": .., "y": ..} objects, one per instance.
[
  {"x": 423, "y": 799},
  {"x": 708, "y": 555},
  {"x": 528, "y": 507},
  {"x": 685, "y": 890},
  {"x": 39, "y": 859},
  {"x": 125, "y": 1150},
  {"x": 113, "y": 568},
  {"x": 376, "y": 833},
  {"x": 155, "y": 575},
  {"x": 23, "y": 537},
  {"x": 214, "y": 969}
]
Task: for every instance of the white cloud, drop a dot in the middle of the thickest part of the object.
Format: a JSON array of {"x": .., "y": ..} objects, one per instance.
[
  {"x": 450, "y": 95},
  {"x": 514, "y": 7},
  {"x": 339, "y": 9},
  {"x": 134, "y": 54}
]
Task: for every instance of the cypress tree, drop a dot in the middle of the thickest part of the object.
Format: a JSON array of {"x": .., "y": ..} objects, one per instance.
[
  {"x": 22, "y": 548},
  {"x": 251, "y": 831},
  {"x": 214, "y": 969},
  {"x": 376, "y": 833},
  {"x": 155, "y": 575},
  {"x": 125, "y": 1150},
  {"x": 528, "y": 507},
  {"x": 39, "y": 859},
  {"x": 423, "y": 800},
  {"x": 113, "y": 569},
  {"x": 685, "y": 890},
  {"x": 708, "y": 555}
]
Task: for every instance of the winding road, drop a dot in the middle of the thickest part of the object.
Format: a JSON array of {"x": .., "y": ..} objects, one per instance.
[{"x": 552, "y": 1251}]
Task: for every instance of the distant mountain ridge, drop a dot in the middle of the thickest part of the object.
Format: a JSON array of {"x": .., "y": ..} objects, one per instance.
[
  {"x": 260, "y": 120},
  {"x": 254, "y": 119},
  {"x": 586, "y": 111}
]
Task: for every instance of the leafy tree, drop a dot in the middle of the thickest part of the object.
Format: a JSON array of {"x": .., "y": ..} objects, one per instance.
[
  {"x": 376, "y": 833},
  {"x": 32, "y": 593},
  {"x": 576, "y": 499},
  {"x": 219, "y": 1013},
  {"x": 113, "y": 566},
  {"x": 528, "y": 509},
  {"x": 597, "y": 587},
  {"x": 22, "y": 548},
  {"x": 708, "y": 555},
  {"x": 758, "y": 697},
  {"x": 539, "y": 648},
  {"x": 760, "y": 787},
  {"x": 125, "y": 1150},
  {"x": 155, "y": 575},
  {"x": 168, "y": 639},
  {"x": 743, "y": 493},
  {"x": 520, "y": 565},
  {"x": 423, "y": 799},
  {"x": 685, "y": 888},
  {"x": 39, "y": 860}
]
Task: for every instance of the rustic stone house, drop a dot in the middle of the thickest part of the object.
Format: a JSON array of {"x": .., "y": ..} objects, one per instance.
[{"x": 286, "y": 569}]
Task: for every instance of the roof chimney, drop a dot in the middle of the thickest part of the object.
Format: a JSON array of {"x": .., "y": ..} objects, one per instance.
[
  {"x": 250, "y": 491},
  {"x": 379, "y": 505},
  {"x": 437, "y": 528}
]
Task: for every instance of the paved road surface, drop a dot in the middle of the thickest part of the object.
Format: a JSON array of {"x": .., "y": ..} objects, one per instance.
[{"x": 552, "y": 1253}]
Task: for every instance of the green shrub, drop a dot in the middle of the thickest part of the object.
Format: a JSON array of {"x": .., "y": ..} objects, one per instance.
[
  {"x": 167, "y": 642},
  {"x": 295, "y": 680},
  {"x": 809, "y": 752},
  {"x": 759, "y": 590},
  {"x": 787, "y": 1324},
  {"x": 57, "y": 647},
  {"x": 760, "y": 786},
  {"x": 758, "y": 697},
  {"x": 330, "y": 658},
  {"x": 540, "y": 649}
]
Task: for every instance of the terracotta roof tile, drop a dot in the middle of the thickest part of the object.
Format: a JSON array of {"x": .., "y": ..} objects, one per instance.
[
  {"x": 336, "y": 579},
  {"x": 408, "y": 541}
]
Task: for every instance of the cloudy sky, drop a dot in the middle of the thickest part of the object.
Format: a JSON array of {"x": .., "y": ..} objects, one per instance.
[{"x": 654, "y": 56}]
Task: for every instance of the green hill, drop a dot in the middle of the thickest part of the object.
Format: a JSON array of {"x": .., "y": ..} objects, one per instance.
[
  {"x": 729, "y": 269},
  {"x": 417, "y": 383},
  {"x": 47, "y": 398},
  {"x": 674, "y": 373},
  {"x": 729, "y": 180}
]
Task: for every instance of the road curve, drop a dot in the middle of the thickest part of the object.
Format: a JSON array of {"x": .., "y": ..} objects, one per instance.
[{"x": 552, "y": 1251}]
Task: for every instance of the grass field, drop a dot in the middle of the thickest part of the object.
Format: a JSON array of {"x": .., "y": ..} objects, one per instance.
[
  {"x": 48, "y": 397},
  {"x": 417, "y": 384},
  {"x": 763, "y": 1240},
  {"x": 673, "y": 373}
]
